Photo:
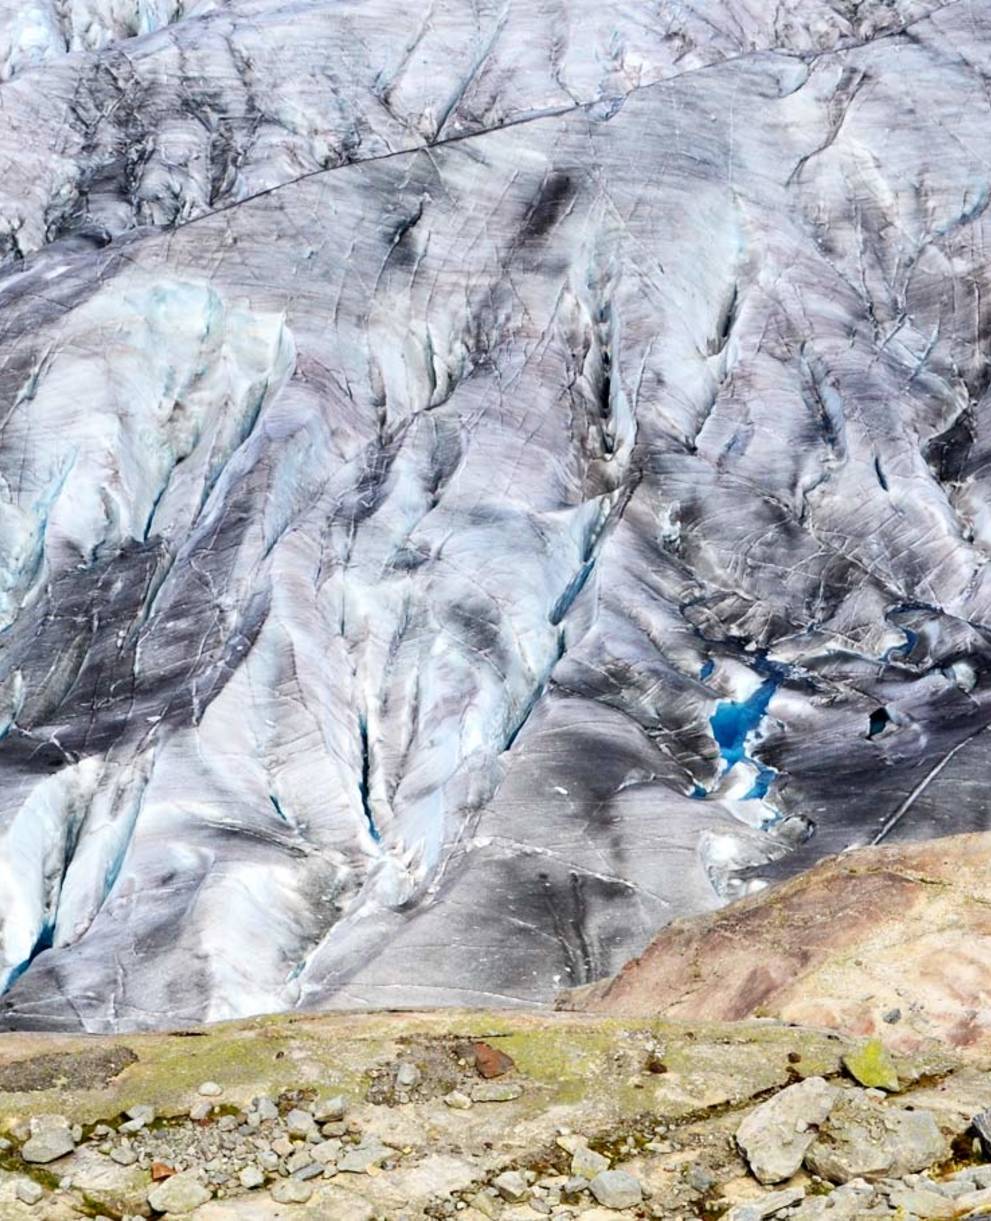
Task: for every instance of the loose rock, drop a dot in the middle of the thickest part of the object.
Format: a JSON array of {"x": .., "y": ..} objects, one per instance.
[
  {"x": 586, "y": 1163},
  {"x": 291, "y": 1191},
  {"x": 491, "y": 1062},
  {"x": 50, "y": 1139},
  {"x": 864, "y": 1139},
  {"x": 616, "y": 1189},
  {"x": 871, "y": 1065},
  {"x": 757, "y": 1210},
  {"x": 777, "y": 1135},
  {"x": 28, "y": 1191},
  {"x": 179, "y": 1194},
  {"x": 512, "y": 1186},
  {"x": 495, "y": 1091}
]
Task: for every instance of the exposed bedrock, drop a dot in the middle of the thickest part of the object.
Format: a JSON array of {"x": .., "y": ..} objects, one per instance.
[{"x": 476, "y": 485}]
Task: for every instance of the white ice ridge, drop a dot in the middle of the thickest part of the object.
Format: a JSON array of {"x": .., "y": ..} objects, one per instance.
[{"x": 470, "y": 500}]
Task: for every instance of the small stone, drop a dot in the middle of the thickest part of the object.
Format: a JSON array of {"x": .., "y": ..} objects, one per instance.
[
  {"x": 331, "y": 1110},
  {"x": 333, "y": 1129},
  {"x": 210, "y": 1089},
  {"x": 312, "y": 1171},
  {"x": 160, "y": 1171},
  {"x": 268, "y": 1159},
  {"x": 490, "y": 1061},
  {"x": 483, "y": 1203},
  {"x": 291, "y": 1191},
  {"x": 250, "y": 1177},
  {"x": 200, "y": 1111},
  {"x": 923, "y": 1203},
  {"x": 50, "y": 1139},
  {"x": 138, "y": 1117},
  {"x": 769, "y": 1136},
  {"x": 892, "y": 1016},
  {"x": 300, "y": 1123},
  {"x": 574, "y": 1186},
  {"x": 361, "y": 1158},
  {"x": 283, "y": 1146},
  {"x": 326, "y": 1152},
  {"x": 767, "y": 1206},
  {"x": 495, "y": 1091},
  {"x": 616, "y": 1189},
  {"x": 180, "y": 1193},
  {"x": 407, "y": 1075},
  {"x": 847, "y": 1203},
  {"x": 512, "y": 1186},
  {"x": 123, "y": 1155},
  {"x": 457, "y": 1100},
  {"x": 871, "y": 1065},
  {"x": 586, "y": 1163},
  {"x": 974, "y": 1201},
  {"x": 298, "y": 1160},
  {"x": 267, "y": 1110},
  {"x": 28, "y": 1191},
  {"x": 981, "y": 1123}
]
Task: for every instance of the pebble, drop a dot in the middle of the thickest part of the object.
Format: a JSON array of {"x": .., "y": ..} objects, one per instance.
[
  {"x": 457, "y": 1101},
  {"x": 407, "y": 1075},
  {"x": 123, "y": 1155},
  {"x": 266, "y": 1109},
  {"x": 200, "y": 1111},
  {"x": 137, "y": 1118},
  {"x": 495, "y": 1091},
  {"x": 210, "y": 1089},
  {"x": 251, "y": 1177},
  {"x": 312, "y": 1171}
]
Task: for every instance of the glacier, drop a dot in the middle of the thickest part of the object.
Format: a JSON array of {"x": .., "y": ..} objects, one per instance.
[{"x": 478, "y": 482}]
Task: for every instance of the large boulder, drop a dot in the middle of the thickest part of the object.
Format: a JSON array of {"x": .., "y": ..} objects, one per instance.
[
  {"x": 775, "y": 1136},
  {"x": 864, "y": 1139}
]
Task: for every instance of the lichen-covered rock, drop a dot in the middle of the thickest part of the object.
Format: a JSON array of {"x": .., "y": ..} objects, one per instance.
[
  {"x": 775, "y": 1136},
  {"x": 871, "y": 1065},
  {"x": 863, "y": 1138}
]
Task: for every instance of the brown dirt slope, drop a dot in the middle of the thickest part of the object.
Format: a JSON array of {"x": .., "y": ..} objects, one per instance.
[{"x": 892, "y": 940}]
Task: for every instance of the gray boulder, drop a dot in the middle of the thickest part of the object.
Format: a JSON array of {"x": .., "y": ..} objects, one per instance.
[
  {"x": 51, "y": 1138},
  {"x": 862, "y": 1138},
  {"x": 775, "y": 1137},
  {"x": 616, "y": 1189}
]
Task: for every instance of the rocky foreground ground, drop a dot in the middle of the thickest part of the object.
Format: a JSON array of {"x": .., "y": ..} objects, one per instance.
[{"x": 489, "y": 1115}]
